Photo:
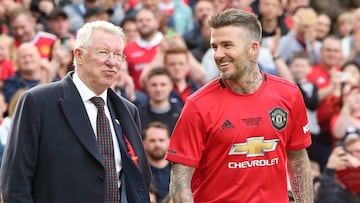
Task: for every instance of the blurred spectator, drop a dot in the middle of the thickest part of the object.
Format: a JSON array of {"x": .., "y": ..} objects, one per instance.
[
  {"x": 141, "y": 52},
  {"x": 202, "y": 11},
  {"x": 204, "y": 44},
  {"x": 125, "y": 87},
  {"x": 40, "y": 9},
  {"x": 302, "y": 36},
  {"x": 290, "y": 9},
  {"x": 7, "y": 56},
  {"x": 348, "y": 116},
  {"x": 61, "y": 56},
  {"x": 344, "y": 24},
  {"x": 341, "y": 158},
  {"x": 31, "y": 71},
  {"x": 351, "y": 43},
  {"x": 6, "y": 7},
  {"x": 334, "y": 8},
  {"x": 323, "y": 27},
  {"x": 176, "y": 62},
  {"x": 152, "y": 5},
  {"x": 197, "y": 72},
  {"x": 129, "y": 26},
  {"x": 97, "y": 13},
  {"x": 300, "y": 66},
  {"x": 156, "y": 139},
  {"x": 179, "y": 15},
  {"x": 6, "y": 124},
  {"x": 76, "y": 12},
  {"x": 241, "y": 4},
  {"x": 220, "y": 5},
  {"x": 59, "y": 24},
  {"x": 159, "y": 108},
  {"x": 270, "y": 17},
  {"x": 327, "y": 77},
  {"x": 116, "y": 10},
  {"x": 24, "y": 30}
]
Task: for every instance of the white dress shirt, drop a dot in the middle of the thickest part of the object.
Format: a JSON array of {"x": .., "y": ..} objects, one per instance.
[{"x": 86, "y": 94}]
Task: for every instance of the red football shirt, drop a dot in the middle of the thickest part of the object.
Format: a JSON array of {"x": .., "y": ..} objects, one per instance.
[{"x": 238, "y": 143}]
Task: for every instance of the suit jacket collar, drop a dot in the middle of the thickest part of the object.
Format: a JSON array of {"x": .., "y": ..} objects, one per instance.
[{"x": 76, "y": 114}]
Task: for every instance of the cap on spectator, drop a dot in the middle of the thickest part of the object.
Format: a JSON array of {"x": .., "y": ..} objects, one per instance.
[
  {"x": 92, "y": 11},
  {"x": 56, "y": 12}
]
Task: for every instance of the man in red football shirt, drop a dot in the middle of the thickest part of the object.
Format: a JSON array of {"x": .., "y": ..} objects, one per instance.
[{"x": 238, "y": 137}]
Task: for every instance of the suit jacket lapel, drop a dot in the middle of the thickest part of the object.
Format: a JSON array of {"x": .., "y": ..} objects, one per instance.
[{"x": 76, "y": 115}]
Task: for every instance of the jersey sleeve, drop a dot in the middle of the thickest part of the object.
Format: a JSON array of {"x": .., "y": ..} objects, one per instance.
[
  {"x": 188, "y": 138},
  {"x": 300, "y": 131}
]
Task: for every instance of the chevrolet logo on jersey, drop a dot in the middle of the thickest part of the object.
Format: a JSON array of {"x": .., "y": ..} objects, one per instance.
[{"x": 254, "y": 146}]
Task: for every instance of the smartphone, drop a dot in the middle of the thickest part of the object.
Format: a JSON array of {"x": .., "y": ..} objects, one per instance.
[{"x": 345, "y": 76}]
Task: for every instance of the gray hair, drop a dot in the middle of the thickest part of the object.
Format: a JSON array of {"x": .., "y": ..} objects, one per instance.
[{"x": 84, "y": 33}]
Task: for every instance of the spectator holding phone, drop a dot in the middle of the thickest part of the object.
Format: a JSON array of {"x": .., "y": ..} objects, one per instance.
[
  {"x": 341, "y": 158},
  {"x": 348, "y": 117}
]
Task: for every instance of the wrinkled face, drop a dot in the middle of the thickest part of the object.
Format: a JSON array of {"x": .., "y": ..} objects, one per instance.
[
  {"x": 156, "y": 143},
  {"x": 99, "y": 64},
  {"x": 323, "y": 26},
  {"x": 159, "y": 87},
  {"x": 146, "y": 23},
  {"x": 230, "y": 51},
  {"x": 300, "y": 67},
  {"x": 23, "y": 28},
  {"x": 59, "y": 26},
  {"x": 330, "y": 53},
  {"x": 177, "y": 65},
  {"x": 203, "y": 9},
  {"x": 28, "y": 59}
]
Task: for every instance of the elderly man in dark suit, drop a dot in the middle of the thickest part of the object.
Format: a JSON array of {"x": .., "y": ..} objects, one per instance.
[{"x": 63, "y": 147}]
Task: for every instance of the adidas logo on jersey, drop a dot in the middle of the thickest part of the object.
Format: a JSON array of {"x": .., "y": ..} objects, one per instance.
[{"x": 227, "y": 124}]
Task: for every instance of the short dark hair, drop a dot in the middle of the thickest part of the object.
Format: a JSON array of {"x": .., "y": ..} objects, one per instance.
[
  {"x": 301, "y": 55},
  {"x": 239, "y": 18},
  {"x": 155, "y": 124},
  {"x": 158, "y": 71}
]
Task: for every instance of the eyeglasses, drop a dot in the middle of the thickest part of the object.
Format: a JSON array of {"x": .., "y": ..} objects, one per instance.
[{"x": 105, "y": 55}]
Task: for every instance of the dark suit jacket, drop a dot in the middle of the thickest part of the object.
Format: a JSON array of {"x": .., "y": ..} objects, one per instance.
[{"x": 52, "y": 154}]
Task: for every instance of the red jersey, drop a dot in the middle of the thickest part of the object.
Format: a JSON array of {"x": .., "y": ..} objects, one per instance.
[
  {"x": 43, "y": 41},
  {"x": 238, "y": 143},
  {"x": 6, "y": 70},
  {"x": 138, "y": 55},
  {"x": 326, "y": 109}
]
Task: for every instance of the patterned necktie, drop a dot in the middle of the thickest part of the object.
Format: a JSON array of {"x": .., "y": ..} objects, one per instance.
[{"x": 105, "y": 142}]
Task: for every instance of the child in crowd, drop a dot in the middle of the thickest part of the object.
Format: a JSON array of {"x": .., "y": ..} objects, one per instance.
[
  {"x": 300, "y": 66},
  {"x": 7, "y": 50}
]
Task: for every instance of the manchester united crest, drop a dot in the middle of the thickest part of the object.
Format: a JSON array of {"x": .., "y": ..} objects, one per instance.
[{"x": 278, "y": 118}]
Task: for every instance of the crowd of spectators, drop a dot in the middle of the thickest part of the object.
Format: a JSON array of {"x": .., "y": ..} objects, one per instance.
[{"x": 313, "y": 43}]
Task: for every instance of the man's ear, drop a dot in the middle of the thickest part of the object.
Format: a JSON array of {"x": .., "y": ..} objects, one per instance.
[
  {"x": 78, "y": 55},
  {"x": 253, "y": 49}
]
